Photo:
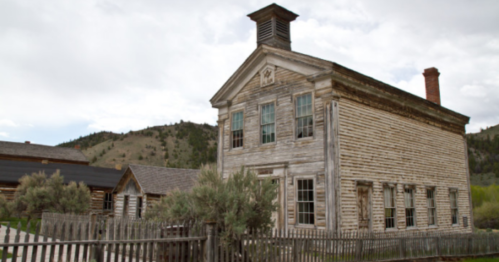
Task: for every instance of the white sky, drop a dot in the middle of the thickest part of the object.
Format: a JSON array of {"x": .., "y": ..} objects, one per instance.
[{"x": 70, "y": 68}]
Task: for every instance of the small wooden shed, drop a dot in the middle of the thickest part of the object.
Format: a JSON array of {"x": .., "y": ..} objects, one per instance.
[{"x": 141, "y": 185}]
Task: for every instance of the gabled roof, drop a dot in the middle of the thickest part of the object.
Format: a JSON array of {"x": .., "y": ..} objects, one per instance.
[
  {"x": 160, "y": 180},
  {"x": 315, "y": 69},
  {"x": 41, "y": 151},
  {"x": 12, "y": 171}
]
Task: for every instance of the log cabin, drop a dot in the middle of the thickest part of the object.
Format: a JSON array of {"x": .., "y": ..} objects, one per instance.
[
  {"x": 41, "y": 153},
  {"x": 349, "y": 152},
  {"x": 100, "y": 181},
  {"x": 140, "y": 186}
]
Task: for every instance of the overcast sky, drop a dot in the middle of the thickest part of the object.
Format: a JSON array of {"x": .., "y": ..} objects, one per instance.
[{"x": 70, "y": 68}]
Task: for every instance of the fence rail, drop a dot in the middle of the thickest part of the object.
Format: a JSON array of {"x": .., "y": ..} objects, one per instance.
[{"x": 115, "y": 240}]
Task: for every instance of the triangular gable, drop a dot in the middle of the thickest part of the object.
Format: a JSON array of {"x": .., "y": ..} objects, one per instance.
[
  {"x": 128, "y": 182},
  {"x": 263, "y": 57}
]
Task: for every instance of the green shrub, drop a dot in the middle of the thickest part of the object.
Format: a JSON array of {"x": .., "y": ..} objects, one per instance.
[{"x": 487, "y": 215}]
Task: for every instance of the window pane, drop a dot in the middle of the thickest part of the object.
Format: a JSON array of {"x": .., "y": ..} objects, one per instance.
[
  {"x": 237, "y": 121},
  {"x": 305, "y": 203}
]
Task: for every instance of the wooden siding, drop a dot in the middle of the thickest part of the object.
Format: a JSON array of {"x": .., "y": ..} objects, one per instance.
[
  {"x": 8, "y": 190},
  {"x": 304, "y": 157},
  {"x": 97, "y": 205},
  {"x": 124, "y": 189},
  {"x": 382, "y": 147}
]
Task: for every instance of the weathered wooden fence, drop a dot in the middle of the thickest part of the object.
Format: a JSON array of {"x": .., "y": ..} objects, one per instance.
[
  {"x": 145, "y": 241},
  {"x": 186, "y": 242},
  {"x": 315, "y": 246}
]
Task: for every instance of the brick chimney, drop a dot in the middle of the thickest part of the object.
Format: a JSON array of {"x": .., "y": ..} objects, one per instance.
[
  {"x": 432, "y": 87},
  {"x": 27, "y": 142},
  {"x": 77, "y": 147},
  {"x": 272, "y": 26}
]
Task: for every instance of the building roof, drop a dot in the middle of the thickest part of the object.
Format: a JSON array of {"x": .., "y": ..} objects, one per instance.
[
  {"x": 316, "y": 69},
  {"x": 41, "y": 151},
  {"x": 12, "y": 171},
  {"x": 160, "y": 180}
]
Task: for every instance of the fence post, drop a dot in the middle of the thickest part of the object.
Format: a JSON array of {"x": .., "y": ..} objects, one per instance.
[
  {"x": 470, "y": 245},
  {"x": 402, "y": 247},
  {"x": 295, "y": 249},
  {"x": 208, "y": 247},
  {"x": 358, "y": 250},
  {"x": 437, "y": 246}
]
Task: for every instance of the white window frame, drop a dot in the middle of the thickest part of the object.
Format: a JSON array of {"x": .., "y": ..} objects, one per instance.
[
  {"x": 394, "y": 207},
  {"x": 430, "y": 208},
  {"x": 410, "y": 199},
  {"x": 260, "y": 134},
  {"x": 296, "y": 118},
  {"x": 297, "y": 212},
  {"x": 232, "y": 131},
  {"x": 452, "y": 208}
]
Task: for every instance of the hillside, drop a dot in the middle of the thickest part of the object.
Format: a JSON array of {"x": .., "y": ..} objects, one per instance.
[
  {"x": 183, "y": 145},
  {"x": 483, "y": 155}
]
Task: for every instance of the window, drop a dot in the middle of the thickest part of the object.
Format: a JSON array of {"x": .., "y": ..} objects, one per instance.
[
  {"x": 410, "y": 212},
  {"x": 453, "y": 206},
  {"x": 432, "y": 208},
  {"x": 139, "y": 207},
  {"x": 389, "y": 195},
  {"x": 306, "y": 201},
  {"x": 304, "y": 118},
  {"x": 268, "y": 124},
  {"x": 108, "y": 201},
  {"x": 237, "y": 129},
  {"x": 125, "y": 206}
]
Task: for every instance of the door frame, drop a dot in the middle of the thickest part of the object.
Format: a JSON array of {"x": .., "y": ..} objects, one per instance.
[{"x": 369, "y": 186}]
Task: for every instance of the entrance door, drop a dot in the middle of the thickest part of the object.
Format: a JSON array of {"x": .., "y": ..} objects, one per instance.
[{"x": 363, "y": 208}]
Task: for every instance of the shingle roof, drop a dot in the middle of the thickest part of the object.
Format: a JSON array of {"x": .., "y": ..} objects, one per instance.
[
  {"x": 160, "y": 180},
  {"x": 12, "y": 171},
  {"x": 41, "y": 151}
]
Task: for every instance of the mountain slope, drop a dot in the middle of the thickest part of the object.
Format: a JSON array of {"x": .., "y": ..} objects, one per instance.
[
  {"x": 183, "y": 145},
  {"x": 483, "y": 156}
]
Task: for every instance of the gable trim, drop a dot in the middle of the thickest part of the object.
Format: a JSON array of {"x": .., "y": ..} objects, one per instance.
[{"x": 253, "y": 65}]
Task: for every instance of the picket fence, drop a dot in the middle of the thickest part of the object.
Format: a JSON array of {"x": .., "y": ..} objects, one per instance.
[{"x": 115, "y": 240}]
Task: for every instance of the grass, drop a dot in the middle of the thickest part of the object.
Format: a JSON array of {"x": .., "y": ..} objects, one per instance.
[
  {"x": 9, "y": 255},
  {"x": 14, "y": 221},
  {"x": 484, "y": 259}
]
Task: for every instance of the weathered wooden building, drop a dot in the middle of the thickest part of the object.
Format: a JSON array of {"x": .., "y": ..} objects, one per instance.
[
  {"x": 348, "y": 151},
  {"x": 100, "y": 181},
  {"x": 41, "y": 153},
  {"x": 141, "y": 185}
]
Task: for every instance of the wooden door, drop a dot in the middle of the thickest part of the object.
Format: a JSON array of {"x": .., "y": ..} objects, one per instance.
[{"x": 363, "y": 208}]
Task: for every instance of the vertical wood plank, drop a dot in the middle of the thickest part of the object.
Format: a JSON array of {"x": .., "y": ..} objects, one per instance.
[
  {"x": 16, "y": 240},
  {"x": 6, "y": 240},
  {"x": 123, "y": 247},
  {"x": 117, "y": 245},
  {"x": 52, "y": 244},
  {"x": 132, "y": 237}
]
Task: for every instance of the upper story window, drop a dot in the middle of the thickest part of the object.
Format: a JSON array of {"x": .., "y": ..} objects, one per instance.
[
  {"x": 268, "y": 124},
  {"x": 453, "y": 206},
  {"x": 306, "y": 212},
  {"x": 410, "y": 209},
  {"x": 108, "y": 201},
  {"x": 432, "y": 207},
  {"x": 390, "y": 209},
  {"x": 304, "y": 117},
  {"x": 237, "y": 129}
]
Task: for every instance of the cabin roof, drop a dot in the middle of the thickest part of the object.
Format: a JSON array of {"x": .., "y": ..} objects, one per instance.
[
  {"x": 160, "y": 180},
  {"x": 41, "y": 151},
  {"x": 12, "y": 171}
]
